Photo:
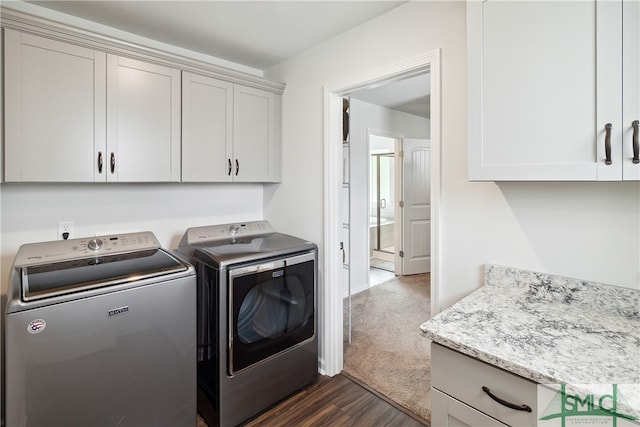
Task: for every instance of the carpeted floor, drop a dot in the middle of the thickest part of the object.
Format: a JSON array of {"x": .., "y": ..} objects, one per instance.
[{"x": 387, "y": 351}]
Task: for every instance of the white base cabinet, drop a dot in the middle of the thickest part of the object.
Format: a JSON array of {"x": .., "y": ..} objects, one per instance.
[
  {"x": 469, "y": 392},
  {"x": 450, "y": 412},
  {"x": 553, "y": 90}
]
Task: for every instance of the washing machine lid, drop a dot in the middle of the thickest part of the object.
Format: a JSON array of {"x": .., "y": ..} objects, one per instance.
[
  {"x": 57, "y": 268},
  {"x": 49, "y": 280}
]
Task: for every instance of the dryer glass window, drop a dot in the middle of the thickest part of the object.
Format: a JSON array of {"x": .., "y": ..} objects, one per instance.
[{"x": 272, "y": 311}]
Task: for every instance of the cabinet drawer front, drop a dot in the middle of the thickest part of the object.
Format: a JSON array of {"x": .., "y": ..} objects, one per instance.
[
  {"x": 449, "y": 412},
  {"x": 463, "y": 377}
]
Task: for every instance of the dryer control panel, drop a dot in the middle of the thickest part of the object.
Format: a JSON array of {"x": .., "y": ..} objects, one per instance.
[
  {"x": 211, "y": 233},
  {"x": 63, "y": 250}
]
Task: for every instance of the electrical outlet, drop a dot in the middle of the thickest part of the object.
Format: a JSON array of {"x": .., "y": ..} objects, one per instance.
[{"x": 65, "y": 230}]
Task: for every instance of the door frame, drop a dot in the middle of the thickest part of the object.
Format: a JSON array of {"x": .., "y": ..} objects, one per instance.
[{"x": 331, "y": 340}]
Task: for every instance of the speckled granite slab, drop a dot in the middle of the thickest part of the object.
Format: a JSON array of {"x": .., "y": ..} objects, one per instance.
[{"x": 548, "y": 329}]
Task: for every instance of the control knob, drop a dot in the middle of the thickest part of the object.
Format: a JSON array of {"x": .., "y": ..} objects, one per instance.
[{"x": 95, "y": 244}]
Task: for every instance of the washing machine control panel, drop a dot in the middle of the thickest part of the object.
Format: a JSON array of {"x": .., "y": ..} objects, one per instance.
[{"x": 62, "y": 250}]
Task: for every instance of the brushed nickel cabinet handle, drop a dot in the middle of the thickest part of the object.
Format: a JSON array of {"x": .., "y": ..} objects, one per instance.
[
  {"x": 636, "y": 145},
  {"x": 523, "y": 407},
  {"x": 607, "y": 144},
  {"x": 229, "y": 170},
  {"x": 237, "y": 167},
  {"x": 113, "y": 162},
  {"x": 99, "y": 161}
]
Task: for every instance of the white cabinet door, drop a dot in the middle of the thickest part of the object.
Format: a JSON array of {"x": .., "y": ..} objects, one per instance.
[
  {"x": 54, "y": 110},
  {"x": 257, "y": 127},
  {"x": 544, "y": 80},
  {"x": 143, "y": 121},
  {"x": 207, "y": 129},
  {"x": 631, "y": 89}
]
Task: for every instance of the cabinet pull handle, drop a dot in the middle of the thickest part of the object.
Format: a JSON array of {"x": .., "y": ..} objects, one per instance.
[
  {"x": 505, "y": 403},
  {"x": 229, "y": 171},
  {"x": 99, "y": 161},
  {"x": 607, "y": 144},
  {"x": 636, "y": 145},
  {"x": 113, "y": 162},
  {"x": 237, "y": 167}
]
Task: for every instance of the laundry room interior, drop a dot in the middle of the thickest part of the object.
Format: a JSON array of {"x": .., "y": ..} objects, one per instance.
[{"x": 226, "y": 118}]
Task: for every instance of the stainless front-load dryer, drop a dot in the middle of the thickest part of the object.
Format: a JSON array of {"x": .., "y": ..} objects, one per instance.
[
  {"x": 100, "y": 332},
  {"x": 257, "y": 320}
]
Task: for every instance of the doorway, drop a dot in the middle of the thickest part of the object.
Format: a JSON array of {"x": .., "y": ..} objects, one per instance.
[
  {"x": 380, "y": 192},
  {"x": 332, "y": 341},
  {"x": 382, "y": 207}
]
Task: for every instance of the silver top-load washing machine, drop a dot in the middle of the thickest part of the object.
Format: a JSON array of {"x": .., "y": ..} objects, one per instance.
[{"x": 100, "y": 331}]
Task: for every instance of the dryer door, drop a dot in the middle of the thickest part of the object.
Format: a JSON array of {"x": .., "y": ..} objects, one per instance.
[{"x": 273, "y": 309}]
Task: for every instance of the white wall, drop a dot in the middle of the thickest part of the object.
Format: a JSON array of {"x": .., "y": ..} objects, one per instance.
[
  {"x": 365, "y": 116},
  {"x": 583, "y": 230},
  {"x": 30, "y": 212}
]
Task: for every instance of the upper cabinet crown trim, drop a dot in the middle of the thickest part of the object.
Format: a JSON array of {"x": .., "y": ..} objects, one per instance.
[{"x": 46, "y": 28}]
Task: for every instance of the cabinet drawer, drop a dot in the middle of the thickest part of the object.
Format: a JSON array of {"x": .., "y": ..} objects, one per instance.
[
  {"x": 463, "y": 377},
  {"x": 449, "y": 412}
]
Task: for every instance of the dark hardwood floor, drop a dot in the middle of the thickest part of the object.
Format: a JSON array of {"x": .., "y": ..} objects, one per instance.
[{"x": 333, "y": 401}]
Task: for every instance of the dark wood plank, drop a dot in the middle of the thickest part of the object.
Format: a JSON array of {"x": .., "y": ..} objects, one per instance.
[{"x": 335, "y": 401}]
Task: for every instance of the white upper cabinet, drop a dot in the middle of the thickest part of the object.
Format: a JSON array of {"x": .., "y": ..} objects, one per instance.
[
  {"x": 257, "y": 127},
  {"x": 207, "y": 129},
  {"x": 75, "y": 114},
  {"x": 80, "y": 107},
  {"x": 230, "y": 132},
  {"x": 143, "y": 121},
  {"x": 54, "y": 109},
  {"x": 545, "y": 81}
]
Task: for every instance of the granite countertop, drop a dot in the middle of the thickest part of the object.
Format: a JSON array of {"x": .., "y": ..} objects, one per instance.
[{"x": 548, "y": 329}]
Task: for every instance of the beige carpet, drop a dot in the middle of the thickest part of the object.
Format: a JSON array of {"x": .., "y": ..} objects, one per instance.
[{"x": 387, "y": 351}]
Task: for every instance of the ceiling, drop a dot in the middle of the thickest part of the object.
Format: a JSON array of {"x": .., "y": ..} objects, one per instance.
[
  {"x": 256, "y": 34},
  {"x": 410, "y": 95}
]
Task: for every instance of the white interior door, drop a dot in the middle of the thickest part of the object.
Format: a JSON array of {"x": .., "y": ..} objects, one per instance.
[{"x": 416, "y": 212}]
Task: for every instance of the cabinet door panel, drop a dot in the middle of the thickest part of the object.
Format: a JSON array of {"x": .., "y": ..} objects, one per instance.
[
  {"x": 143, "y": 120},
  {"x": 54, "y": 106},
  {"x": 256, "y": 134},
  {"x": 630, "y": 85},
  {"x": 537, "y": 104},
  {"x": 207, "y": 128}
]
